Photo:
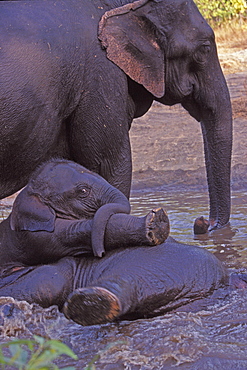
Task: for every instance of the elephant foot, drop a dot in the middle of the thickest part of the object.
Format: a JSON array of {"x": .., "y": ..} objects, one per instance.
[
  {"x": 157, "y": 226},
  {"x": 92, "y": 306},
  {"x": 201, "y": 226}
]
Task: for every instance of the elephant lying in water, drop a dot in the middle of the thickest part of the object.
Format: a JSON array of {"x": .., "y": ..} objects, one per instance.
[
  {"x": 44, "y": 241},
  {"x": 127, "y": 283},
  {"x": 64, "y": 211}
]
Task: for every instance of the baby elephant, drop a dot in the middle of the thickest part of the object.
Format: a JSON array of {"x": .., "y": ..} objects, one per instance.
[
  {"x": 126, "y": 283},
  {"x": 55, "y": 219},
  {"x": 64, "y": 211}
]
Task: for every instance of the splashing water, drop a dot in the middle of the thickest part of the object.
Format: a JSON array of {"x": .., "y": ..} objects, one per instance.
[{"x": 213, "y": 338}]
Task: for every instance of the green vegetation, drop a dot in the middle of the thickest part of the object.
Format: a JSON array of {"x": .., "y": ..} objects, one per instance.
[
  {"x": 33, "y": 354},
  {"x": 221, "y": 11},
  {"x": 39, "y": 354}
]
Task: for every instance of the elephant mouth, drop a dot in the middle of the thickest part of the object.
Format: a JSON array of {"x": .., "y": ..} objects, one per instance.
[
  {"x": 178, "y": 94},
  {"x": 74, "y": 215},
  {"x": 66, "y": 216}
]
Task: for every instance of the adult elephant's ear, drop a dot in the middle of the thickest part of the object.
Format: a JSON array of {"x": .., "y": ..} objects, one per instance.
[
  {"x": 31, "y": 214},
  {"x": 131, "y": 43}
]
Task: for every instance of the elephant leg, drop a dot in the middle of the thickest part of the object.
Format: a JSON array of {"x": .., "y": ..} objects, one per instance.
[
  {"x": 73, "y": 237},
  {"x": 108, "y": 299},
  {"x": 117, "y": 285},
  {"x": 99, "y": 129},
  {"x": 143, "y": 282},
  {"x": 125, "y": 294},
  {"x": 127, "y": 231},
  {"x": 92, "y": 306},
  {"x": 104, "y": 302},
  {"x": 115, "y": 166},
  {"x": 45, "y": 285}
]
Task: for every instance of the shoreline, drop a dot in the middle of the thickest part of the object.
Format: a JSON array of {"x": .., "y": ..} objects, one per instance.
[{"x": 167, "y": 144}]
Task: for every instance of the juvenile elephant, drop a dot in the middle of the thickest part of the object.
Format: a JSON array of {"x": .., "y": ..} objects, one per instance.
[
  {"x": 75, "y": 73},
  {"x": 128, "y": 283},
  {"x": 64, "y": 211}
]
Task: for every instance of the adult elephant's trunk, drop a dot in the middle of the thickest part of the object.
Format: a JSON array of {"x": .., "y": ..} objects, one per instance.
[
  {"x": 217, "y": 135},
  {"x": 212, "y": 107},
  {"x": 116, "y": 203}
]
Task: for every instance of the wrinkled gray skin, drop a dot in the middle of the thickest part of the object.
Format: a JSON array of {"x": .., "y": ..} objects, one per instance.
[
  {"x": 147, "y": 281},
  {"x": 54, "y": 214},
  {"x": 75, "y": 73}
]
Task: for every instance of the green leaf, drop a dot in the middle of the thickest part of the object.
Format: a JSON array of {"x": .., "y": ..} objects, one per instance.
[
  {"x": 39, "y": 340},
  {"x": 41, "y": 359},
  {"x": 29, "y": 342},
  {"x": 44, "y": 352},
  {"x": 61, "y": 348},
  {"x": 219, "y": 11},
  {"x": 19, "y": 355}
]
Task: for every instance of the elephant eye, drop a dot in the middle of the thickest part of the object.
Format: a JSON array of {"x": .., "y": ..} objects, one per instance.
[
  {"x": 205, "y": 47},
  {"x": 201, "y": 56},
  {"x": 83, "y": 191}
]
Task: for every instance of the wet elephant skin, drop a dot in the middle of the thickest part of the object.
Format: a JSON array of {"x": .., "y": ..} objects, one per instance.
[
  {"x": 65, "y": 211},
  {"x": 75, "y": 73},
  {"x": 145, "y": 281},
  {"x": 62, "y": 211}
]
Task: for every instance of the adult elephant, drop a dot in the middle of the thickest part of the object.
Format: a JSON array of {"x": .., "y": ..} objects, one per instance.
[{"x": 75, "y": 73}]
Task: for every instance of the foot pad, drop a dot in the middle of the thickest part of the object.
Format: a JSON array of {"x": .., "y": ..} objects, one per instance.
[
  {"x": 157, "y": 226},
  {"x": 92, "y": 306}
]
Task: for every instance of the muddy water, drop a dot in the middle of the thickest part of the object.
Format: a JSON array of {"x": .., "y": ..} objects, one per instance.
[
  {"x": 229, "y": 244},
  {"x": 168, "y": 172},
  {"x": 214, "y": 337}
]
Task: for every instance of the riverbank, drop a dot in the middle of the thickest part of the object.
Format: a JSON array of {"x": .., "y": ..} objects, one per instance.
[{"x": 167, "y": 147}]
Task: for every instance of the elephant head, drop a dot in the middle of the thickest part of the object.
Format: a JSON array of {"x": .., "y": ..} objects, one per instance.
[
  {"x": 64, "y": 189},
  {"x": 167, "y": 47}
]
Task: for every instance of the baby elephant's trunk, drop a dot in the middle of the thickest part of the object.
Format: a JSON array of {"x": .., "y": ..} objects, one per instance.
[{"x": 118, "y": 204}]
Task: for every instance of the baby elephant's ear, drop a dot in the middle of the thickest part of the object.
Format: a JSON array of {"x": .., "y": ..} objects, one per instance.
[{"x": 31, "y": 214}]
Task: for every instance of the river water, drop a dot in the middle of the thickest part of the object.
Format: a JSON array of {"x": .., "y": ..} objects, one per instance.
[
  {"x": 215, "y": 338},
  {"x": 229, "y": 244},
  {"x": 168, "y": 172}
]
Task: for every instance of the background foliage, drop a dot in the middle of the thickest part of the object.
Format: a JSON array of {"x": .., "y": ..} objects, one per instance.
[
  {"x": 34, "y": 354},
  {"x": 221, "y": 11}
]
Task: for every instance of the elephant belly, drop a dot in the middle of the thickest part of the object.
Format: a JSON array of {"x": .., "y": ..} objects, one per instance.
[{"x": 157, "y": 279}]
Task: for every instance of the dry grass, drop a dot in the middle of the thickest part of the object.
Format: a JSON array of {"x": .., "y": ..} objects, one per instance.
[
  {"x": 239, "y": 107},
  {"x": 231, "y": 42},
  {"x": 232, "y": 38},
  {"x": 232, "y": 35}
]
